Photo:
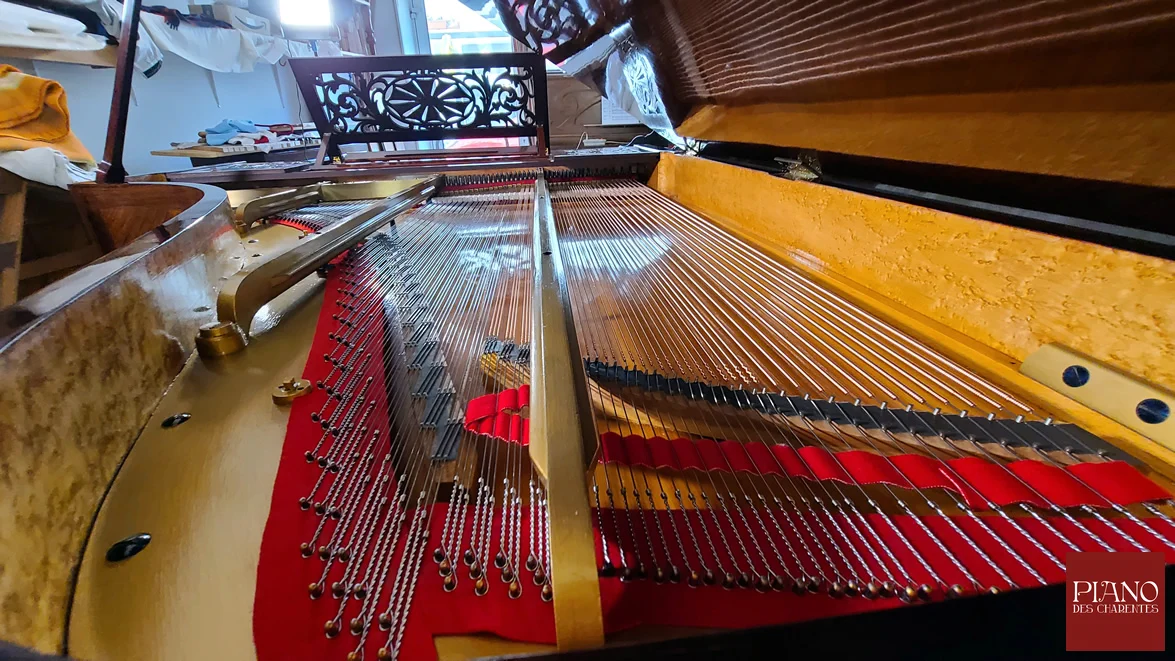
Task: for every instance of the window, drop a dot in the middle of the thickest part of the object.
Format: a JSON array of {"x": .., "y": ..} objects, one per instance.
[{"x": 467, "y": 26}]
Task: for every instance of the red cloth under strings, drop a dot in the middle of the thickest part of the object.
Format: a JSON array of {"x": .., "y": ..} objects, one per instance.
[
  {"x": 979, "y": 481},
  {"x": 288, "y": 625}
]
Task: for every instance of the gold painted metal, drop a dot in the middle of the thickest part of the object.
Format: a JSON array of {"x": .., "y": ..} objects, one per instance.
[
  {"x": 562, "y": 440},
  {"x": 1108, "y": 391},
  {"x": 246, "y": 291},
  {"x": 219, "y": 338},
  {"x": 290, "y": 389},
  {"x": 254, "y": 210},
  {"x": 202, "y": 490},
  {"x": 365, "y": 190}
]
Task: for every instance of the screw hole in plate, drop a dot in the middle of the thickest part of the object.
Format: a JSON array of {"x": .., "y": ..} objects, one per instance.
[
  {"x": 176, "y": 420},
  {"x": 126, "y": 548},
  {"x": 1075, "y": 376},
  {"x": 1152, "y": 411}
]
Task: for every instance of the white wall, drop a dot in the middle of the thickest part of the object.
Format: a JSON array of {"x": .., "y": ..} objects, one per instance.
[
  {"x": 181, "y": 100},
  {"x": 171, "y": 106}
]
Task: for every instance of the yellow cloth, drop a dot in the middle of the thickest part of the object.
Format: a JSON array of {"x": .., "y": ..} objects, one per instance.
[{"x": 33, "y": 113}]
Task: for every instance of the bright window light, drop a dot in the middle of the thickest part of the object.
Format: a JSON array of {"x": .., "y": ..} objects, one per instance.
[{"x": 305, "y": 12}]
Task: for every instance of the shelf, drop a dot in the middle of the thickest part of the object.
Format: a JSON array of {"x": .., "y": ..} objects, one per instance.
[{"x": 105, "y": 57}]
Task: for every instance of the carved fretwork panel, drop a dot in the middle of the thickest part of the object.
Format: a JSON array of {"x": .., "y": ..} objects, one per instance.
[{"x": 388, "y": 99}]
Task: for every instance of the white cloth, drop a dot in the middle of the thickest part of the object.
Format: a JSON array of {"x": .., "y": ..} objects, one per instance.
[
  {"x": 25, "y": 27},
  {"x": 45, "y": 165},
  {"x": 148, "y": 57},
  {"x": 226, "y": 50}
]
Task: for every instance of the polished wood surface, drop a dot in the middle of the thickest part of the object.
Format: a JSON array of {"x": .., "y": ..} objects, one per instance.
[
  {"x": 82, "y": 365},
  {"x": 984, "y": 293},
  {"x": 121, "y": 213},
  {"x": 12, "y": 200},
  {"x": 1120, "y": 133}
]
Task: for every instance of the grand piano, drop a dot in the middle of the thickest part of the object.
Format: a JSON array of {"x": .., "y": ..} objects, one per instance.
[{"x": 874, "y": 346}]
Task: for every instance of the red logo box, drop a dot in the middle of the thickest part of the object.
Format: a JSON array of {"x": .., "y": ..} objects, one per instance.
[{"x": 1114, "y": 602}]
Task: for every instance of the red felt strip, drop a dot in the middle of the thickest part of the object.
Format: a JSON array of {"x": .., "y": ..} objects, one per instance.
[
  {"x": 662, "y": 453},
  {"x": 1120, "y": 482},
  {"x": 736, "y": 456},
  {"x": 637, "y": 451},
  {"x": 823, "y": 464},
  {"x": 791, "y": 462},
  {"x": 686, "y": 453},
  {"x": 1056, "y": 484},
  {"x": 978, "y": 481}
]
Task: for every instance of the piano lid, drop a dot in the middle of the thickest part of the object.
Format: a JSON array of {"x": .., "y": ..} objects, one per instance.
[{"x": 1079, "y": 89}]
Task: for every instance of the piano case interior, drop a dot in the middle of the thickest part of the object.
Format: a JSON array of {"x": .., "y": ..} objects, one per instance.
[{"x": 607, "y": 403}]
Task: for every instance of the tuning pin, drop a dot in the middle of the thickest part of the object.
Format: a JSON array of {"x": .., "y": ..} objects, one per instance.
[
  {"x": 500, "y": 560},
  {"x": 925, "y": 592},
  {"x": 889, "y": 589},
  {"x": 800, "y": 586},
  {"x": 385, "y": 621},
  {"x": 468, "y": 557},
  {"x": 744, "y": 580},
  {"x": 532, "y": 563},
  {"x": 514, "y": 590},
  {"x": 338, "y": 589},
  {"x": 728, "y": 581},
  {"x": 955, "y": 590},
  {"x": 993, "y": 590},
  {"x": 438, "y": 555},
  {"x": 908, "y": 594},
  {"x": 641, "y": 573},
  {"x": 546, "y": 594},
  {"x": 306, "y": 550},
  {"x": 450, "y": 583},
  {"x": 674, "y": 574},
  {"x": 481, "y": 587},
  {"x": 872, "y": 590},
  {"x": 540, "y": 577},
  {"x": 475, "y": 571},
  {"x": 607, "y": 570},
  {"x": 343, "y": 556},
  {"x": 319, "y": 509},
  {"x": 315, "y": 590},
  {"x": 323, "y": 553},
  {"x": 359, "y": 591},
  {"x": 708, "y": 577},
  {"x": 356, "y": 626},
  {"x": 852, "y": 588},
  {"x": 763, "y": 584},
  {"x": 331, "y": 628},
  {"x": 836, "y": 590},
  {"x": 659, "y": 576},
  {"x": 778, "y": 584},
  {"x": 694, "y": 579},
  {"x": 383, "y": 654},
  {"x": 445, "y": 568}
]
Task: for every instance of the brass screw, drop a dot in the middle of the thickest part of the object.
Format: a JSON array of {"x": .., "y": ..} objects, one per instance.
[{"x": 290, "y": 390}]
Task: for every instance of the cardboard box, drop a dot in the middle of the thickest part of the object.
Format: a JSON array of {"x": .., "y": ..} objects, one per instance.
[{"x": 235, "y": 16}]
